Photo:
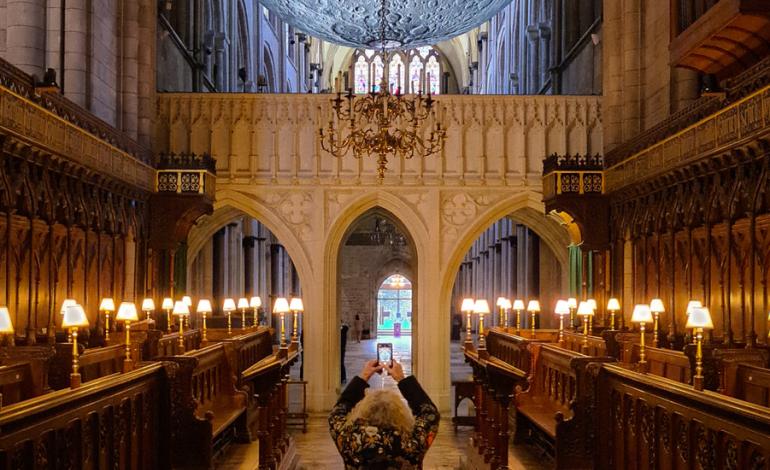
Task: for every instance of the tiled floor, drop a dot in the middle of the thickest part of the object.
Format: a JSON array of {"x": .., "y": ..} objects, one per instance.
[{"x": 316, "y": 449}]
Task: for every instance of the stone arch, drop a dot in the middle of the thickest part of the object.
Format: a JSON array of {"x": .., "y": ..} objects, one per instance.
[
  {"x": 269, "y": 70},
  {"x": 230, "y": 204},
  {"x": 525, "y": 208}
]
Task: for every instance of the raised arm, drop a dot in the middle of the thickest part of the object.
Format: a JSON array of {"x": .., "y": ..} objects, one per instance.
[{"x": 352, "y": 394}]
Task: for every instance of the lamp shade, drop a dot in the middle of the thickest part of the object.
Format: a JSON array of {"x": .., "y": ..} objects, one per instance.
[
  {"x": 572, "y": 302},
  {"x": 181, "y": 308},
  {"x": 584, "y": 308},
  {"x": 481, "y": 307},
  {"x": 533, "y": 306},
  {"x": 693, "y": 304},
  {"x": 255, "y": 302},
  {"x": 204, "y": 306},
  {"x": 5, "y": 321},
  {"x": 468, "y": 305},
  {"x": 127, "y": 312},
  {"x": 188, "y": 300},
  {"x": 107, "y": 305},
  {"x": 592, "y": 303},
  {"x": 613, "y": 305},
  {"x": 74, "y": 317},
  {"x": 228, "y": 305},
  {"x": 65, "y": 304},
  {"x": 700, "y": 317},
  {"x": 281, "y": 305},
  {"x": 642, "y": 314},
  {"x": 148, "y": 305},
  {"x": 168, "y": 303},
  {"x": 296, "y": 305},
  {"x": 518, "y": 304},
  {"x": 501, "y": 302},
  {"x": 243, "y": 302},
  {"x": 656, "y": 306},
  {"x": 562, "y": 307}
]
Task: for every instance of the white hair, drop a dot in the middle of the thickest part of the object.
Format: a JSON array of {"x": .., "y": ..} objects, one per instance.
[{"x": 384, "y": 409}]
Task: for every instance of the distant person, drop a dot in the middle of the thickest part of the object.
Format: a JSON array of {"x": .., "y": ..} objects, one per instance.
[
  {"x": 374, "y": 429},
  {"x": 343, "y": 345},
  {"x": 357, "y": 328}
]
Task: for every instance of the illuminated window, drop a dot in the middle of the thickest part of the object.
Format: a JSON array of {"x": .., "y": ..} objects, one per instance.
[
  {"x": 361, "y": 76},
  {"x": 421, "y": 69}
]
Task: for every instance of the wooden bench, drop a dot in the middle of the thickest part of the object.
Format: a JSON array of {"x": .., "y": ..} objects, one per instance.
[
  {"x": 168, "y": 344},
  {"x": 646, "y": 421},
  {"x": 726, "y": 356},
  {"x": 16, "y": 383},
  {"x": 39, "y": 358},
  {"x": 93, "y": 363},
  {"x": 747, "y": 382},
  {"x": 674, "y": 365},
  {"x": 213, "y": 387},
  {"x": 514, "y": 349},
  {"x": 574, "y": 342}
]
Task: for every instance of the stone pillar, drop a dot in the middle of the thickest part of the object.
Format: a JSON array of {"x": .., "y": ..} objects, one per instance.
[
  {"x": 250, "y": 260},
  {"x": 25, "y": 35},
  {"x": 77, "y": 52},
  {"x": 219, "y": 271},
  {"x": 147, "y": 25},
  {"x": 130, "y": 69},
  {"x": 533, "y": 61}
]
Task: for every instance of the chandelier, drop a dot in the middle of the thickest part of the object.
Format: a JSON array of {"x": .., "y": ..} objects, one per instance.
[
  {"x": 381, "y": 124},
  {"x": 386, "y": 234}
]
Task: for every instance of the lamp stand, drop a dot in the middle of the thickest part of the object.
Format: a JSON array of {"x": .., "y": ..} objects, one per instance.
[
  {"x": 75, "y": 376},
  {"x": 283, "y": 331},
  {"x": 502, "y": 312},
  {"x": 612, "y": 319},
  {"x": 256, "y": 317},
  {"x": 697, "y": 381},
  {"x": 533, "y": 323},
  {"x": 518, "y": 321},
  {"x": 655, "y": 329},
  {"x": 128, "y": 364},
  {"x": 243, "y": 319},
  {"x": 506, "y": 320},
  {"x": 147, "y": 314},
  {"x": 106, "y": 326},
  {"x": 572, "y": 323},
  {"x": 468, "y": 338},
  {"x": 168, "y": 320},
  {"x": 561, "y": 330},
  {"x": 204, "y": 339},
  {"x": 585, "y": 335},
  {"x": 294, "y": 337},
  {"x": 482, "y": 339},
  {"x": 642, "y": 361},
  {"x": 590, "y": 324},
  {"x": 181, "y": 335},
  {"x": 229, "y": 324}
]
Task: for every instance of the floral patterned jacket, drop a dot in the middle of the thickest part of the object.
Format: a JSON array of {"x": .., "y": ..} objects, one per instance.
[{"x": 373, "y": 448}]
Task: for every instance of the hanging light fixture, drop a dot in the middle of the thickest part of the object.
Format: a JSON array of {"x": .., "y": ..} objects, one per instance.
[{"x": 381, "y": 124}]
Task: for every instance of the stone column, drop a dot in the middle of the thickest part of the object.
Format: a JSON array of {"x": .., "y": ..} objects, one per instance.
[
  {"x": 147, "y": 24},
  {"x": 77, "y": 52},
  {"x": 250, "y": 259},
  {"x": 130, "y": 69},
  {"x": 25, "y": 35},
  {"x": 220, "y": 272}
]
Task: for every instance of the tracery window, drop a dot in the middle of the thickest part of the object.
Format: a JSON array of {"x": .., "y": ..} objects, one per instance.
[{"x": 411, "y": 71}]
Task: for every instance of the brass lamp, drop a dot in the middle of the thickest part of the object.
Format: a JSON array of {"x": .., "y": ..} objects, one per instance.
[
  {"x": 642, "y": 315},
  {"x": 181, "y": 309},
  {"x": 74, "y": 318},
  {"x": 107, "y": 306},
  {"x": 587, "y": 312},
  {"x": 243, "y": 304},
  {"x": 573, "y": 304},
  {"x": 533, "y": 307},
  {"x": 594, "y": 307},
  {"x": 187, "y": 300},
  {"x": 168, "y": 306},
  {"x": 613, "y": 305},
  {"x": 656, "y": 307},
  {"x": 204, "y": 307},
  {"x": 282, "y": 307},
  {"x": 692, "y": 305},
  {"x": 518, "y": 306},
  {"x": 229, "y": 307},
  {"x": 148, "y": 306},
  {"x": 255, "y": 302},
  {"x": 66, "y": 303},
  {"x": 562, "y": 308},
  {"x": 6, "y": 326},
  {"x": 481, "y": 308},
  {"x": 127, "y": 313},
  {"x": 467, "y": 307},
  {"x": 296, "y": 307},
  {"x": 503, "y": 304},
  {"x": 699, "y": 320}
]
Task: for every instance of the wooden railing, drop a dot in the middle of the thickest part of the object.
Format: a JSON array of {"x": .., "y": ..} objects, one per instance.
[{"x": 515, "y": 349}]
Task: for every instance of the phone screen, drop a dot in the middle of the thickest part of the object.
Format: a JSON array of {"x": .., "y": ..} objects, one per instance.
[{"x": 385, "y": 353}]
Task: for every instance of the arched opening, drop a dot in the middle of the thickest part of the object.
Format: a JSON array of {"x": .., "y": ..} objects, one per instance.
[
  {"x": 243, "y": 258},
  {"x": 377, "y": 263}
]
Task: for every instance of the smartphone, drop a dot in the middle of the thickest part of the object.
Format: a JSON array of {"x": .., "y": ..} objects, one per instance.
[{"x": 385, "y": 353}]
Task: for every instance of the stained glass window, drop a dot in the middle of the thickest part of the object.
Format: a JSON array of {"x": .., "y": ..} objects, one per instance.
[
  {"x": 432, "y": 72},
  {"x": 377, "y": 70},
  {"x": 415, "y": 74},
  {"x": 397, "y": 73},
  {"x": 394, "y": 305},
  {"x": 361, "y": 75}
]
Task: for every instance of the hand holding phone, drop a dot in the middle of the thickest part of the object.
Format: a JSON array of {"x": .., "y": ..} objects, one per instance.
[{"x": 385, "y": 354}]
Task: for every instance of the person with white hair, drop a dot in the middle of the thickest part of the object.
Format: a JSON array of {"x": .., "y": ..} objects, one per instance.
[{"x": 375, "y": 430}]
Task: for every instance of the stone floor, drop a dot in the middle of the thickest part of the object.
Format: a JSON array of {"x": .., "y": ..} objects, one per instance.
[{"x": 316, "y": 449}]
